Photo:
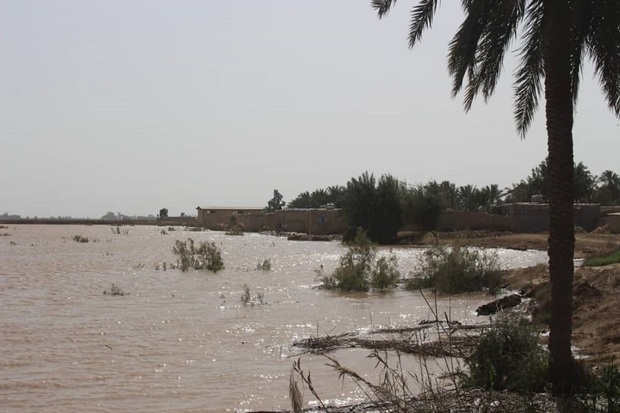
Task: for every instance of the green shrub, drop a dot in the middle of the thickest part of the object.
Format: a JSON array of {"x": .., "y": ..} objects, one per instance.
[
  {"x": 457, "y": 269},
  {"x": 385, "y": 273},
  {"x": 206, "y": 256},
  {"x": 358, "y": 271},
  {"x": 612, "y": 258},
  {"x": 80, "y": 238},
  {"x": 508, "y": 357},
  {"x": 603, "y": 394}
]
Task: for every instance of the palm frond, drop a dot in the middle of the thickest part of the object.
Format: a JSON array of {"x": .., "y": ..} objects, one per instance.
[
  {"x": 479, "y": 47},
  {"x": 504, "y": 19},
  {"x": 382, "y": 6},
  {"x": 530, "y": 72},
  {"x": 462, "y": 49},
  {"x": 603, "y": 45},
  {"x": 421, "y": 18}
]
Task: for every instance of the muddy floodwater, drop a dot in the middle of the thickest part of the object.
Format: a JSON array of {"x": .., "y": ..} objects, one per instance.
[{"x": 182, "y": 342}]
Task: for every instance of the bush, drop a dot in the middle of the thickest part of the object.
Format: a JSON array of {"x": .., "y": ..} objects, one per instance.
[
  {"x": 357, "y": 270},
  {"x": 508, "y": 357},
  {"x": 115, "y": 290},
  {"x": 603, "y": 394},
  {"x": 264, "y": 266},
  {"x": 80, "y": 238},
  {"x": 457, "y": 269},
  {"x": 385, "y": 273},
  {"x": 206, "y": 256},
  {"x": 248, "y": 299}
]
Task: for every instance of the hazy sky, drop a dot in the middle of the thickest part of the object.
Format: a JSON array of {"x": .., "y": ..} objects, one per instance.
[{"x": 130, "y": 106}]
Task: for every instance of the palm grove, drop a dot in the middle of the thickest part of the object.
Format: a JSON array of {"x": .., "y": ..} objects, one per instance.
[
  {"x": 385, "y": 205},
  {"x": 554, "y": 38}
]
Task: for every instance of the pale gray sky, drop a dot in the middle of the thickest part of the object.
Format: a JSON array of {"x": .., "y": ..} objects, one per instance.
[{"x": 135, "y": 105}]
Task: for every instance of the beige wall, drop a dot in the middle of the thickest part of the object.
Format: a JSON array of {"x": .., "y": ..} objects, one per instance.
[
  {"x": 532, "y": 217},
  {"x": 320, "y": 221},
  {"x": 529, "y": 217},
  {"x": 473, "y": 221},
  {"x": 613, "y": 220},
  {"x": 310, "y": 221},
  {"x": 224, "y": 218}
]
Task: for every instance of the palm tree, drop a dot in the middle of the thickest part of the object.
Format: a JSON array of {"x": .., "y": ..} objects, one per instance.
[
  {"x": 556, "y": 36},
  {"x": 584, "y": 183},
  {"x": 490, "y": 196},
  {"x": 468, "y": 197},
  {"x": 608, "y": 193}
]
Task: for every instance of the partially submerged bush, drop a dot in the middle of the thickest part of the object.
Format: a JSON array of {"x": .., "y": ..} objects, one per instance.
[
  {"x": 247, "y": 298},
  {"x": 385, "y": 273},
  {"x": 508, "y": 357},
  {"x": 457, "y": 269},
  {"x": 206, "y": 257},
  {"x": 264, "y": 266},
  {"x": 358, "y": 270},
  {"x": 115, "y": 290}
]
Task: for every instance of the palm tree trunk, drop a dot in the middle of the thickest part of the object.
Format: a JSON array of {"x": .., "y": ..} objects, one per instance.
[{"x": 559, "y": 113}]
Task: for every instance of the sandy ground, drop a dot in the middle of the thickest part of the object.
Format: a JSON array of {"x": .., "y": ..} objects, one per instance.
[{"x": 596, "y": 290}]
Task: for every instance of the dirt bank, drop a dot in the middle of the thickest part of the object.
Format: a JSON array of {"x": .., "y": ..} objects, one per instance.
[
  {"x": 596, "y": 290},
  {"x": 586, "y": 245}
]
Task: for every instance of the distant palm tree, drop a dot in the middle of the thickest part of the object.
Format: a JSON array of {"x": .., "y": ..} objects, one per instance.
[
  {"x": 609, "y": 188},
  {"x": 490, "y": 196},
  {"x": 584, "y": 183},
  {"x": 557, "y": 35},
  {"x": 468, "y": 196}
]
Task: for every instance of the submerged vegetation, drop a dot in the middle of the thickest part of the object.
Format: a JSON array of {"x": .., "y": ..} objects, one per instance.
[
  {"x": 264, "y": 266},
  {"x": 508, "y": 356},
  {"x": 115, "y": 290},
  {"x": 247, "y": 298},
  {"x": 457, "y": 269},
  {"x": 207, "y": 256},
  {"x": 505, "y": 372},
  {"x": 80, "y": 238},
  {"x": 358, "y": 270}
]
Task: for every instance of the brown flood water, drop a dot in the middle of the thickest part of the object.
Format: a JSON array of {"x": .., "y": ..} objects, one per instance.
[{"x": 181, "y": 342}]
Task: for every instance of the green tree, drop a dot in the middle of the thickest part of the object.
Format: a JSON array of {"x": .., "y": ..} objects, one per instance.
[
  {"x": 584, "y": 183},
  {"x": 319, "y": 198},
  {"x": 302, "y": 200},
  {"x": 556, "y": 36},
  {"x": 373, "y": 206},
  {"x": 468, "y": 197},
  {"x": 491, "y": 196},
  {"x": 163, "y": 213},
  {"x": 424, "y": 206},
  {"x": 537, "y": 183},
  {"x": 275, "y": 203},
  {"x": 608, "y": 190}
]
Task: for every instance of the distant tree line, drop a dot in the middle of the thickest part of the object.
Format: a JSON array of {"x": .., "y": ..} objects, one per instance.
[{"x": 382, "y": 206}]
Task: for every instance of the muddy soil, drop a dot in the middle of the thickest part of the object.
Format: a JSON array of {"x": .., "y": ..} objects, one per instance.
[{"x": 596, "y": 290}]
